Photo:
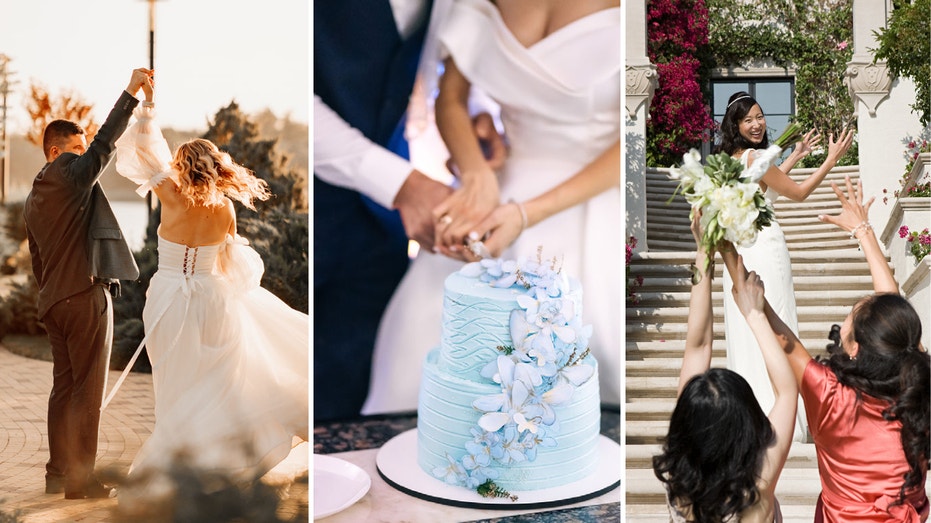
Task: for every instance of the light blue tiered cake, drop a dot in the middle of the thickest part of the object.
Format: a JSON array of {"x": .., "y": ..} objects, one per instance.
[{"x": 511, "y": 394}]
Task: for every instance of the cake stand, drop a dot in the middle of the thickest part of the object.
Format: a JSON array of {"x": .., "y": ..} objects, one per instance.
[{"x": 396, "y": 463}]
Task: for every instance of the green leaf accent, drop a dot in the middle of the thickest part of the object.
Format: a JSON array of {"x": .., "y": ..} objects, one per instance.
[{"x": 488, "y": 489}]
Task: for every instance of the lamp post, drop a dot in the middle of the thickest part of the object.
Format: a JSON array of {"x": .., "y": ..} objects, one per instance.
[{"x": 5, "y": 85}]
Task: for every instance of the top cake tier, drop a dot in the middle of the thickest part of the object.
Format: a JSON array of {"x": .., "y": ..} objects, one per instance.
[{"x": 476, "y": 320}]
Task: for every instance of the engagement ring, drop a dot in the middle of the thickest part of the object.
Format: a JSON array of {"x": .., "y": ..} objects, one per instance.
[{"x": 446, "y": 219}]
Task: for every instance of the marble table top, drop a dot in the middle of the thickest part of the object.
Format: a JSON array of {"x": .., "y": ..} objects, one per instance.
[{"x": 357, "y": 441}]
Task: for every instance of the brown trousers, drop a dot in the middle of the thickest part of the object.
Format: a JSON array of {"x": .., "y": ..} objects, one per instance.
[{"x": 80, "y": 329}]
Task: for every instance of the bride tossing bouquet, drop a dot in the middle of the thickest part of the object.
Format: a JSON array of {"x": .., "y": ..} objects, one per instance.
[{"x": 728, "y": 195}]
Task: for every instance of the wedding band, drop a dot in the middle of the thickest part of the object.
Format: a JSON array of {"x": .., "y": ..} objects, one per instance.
[{"x": 446, "y": 219}]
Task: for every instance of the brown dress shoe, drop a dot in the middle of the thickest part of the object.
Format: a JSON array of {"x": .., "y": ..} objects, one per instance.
[
  {"x": 92, "y": 490},
  {"x": 54, "y": 484}
]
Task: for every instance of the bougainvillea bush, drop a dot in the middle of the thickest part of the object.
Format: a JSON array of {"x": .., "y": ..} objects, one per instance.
[{"x": 677, "y": 34}]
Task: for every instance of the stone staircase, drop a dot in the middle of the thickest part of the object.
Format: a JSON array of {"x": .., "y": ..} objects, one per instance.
[{"x": 830, "y": 276}]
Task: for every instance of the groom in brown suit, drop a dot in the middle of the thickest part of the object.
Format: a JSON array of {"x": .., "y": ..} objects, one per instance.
[{"x": 78, "y": 257}]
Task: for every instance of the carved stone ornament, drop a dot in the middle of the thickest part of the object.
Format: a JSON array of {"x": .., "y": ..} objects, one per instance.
[
  {"x": 642, "y": 81},
  {"x": 868, "y": 82}
]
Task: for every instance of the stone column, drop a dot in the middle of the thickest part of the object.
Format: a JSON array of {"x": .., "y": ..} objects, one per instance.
[
  {"x": 640, "y": 84},
  {"x": 881, "y": 106}
]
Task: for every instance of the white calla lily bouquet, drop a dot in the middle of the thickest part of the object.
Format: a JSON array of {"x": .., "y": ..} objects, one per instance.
[{"x": 732, "y": 206}]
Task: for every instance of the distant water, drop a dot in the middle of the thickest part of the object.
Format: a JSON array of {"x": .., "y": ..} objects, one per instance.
[{"x": 134, "y": 218}]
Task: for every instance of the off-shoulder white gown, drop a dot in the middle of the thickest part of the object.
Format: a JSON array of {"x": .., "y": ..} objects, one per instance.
[{"x": 560, "y": 106}]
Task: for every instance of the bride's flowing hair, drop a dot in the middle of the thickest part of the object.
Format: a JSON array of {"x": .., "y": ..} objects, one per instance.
[
  {"x": 714, "y": 451},
  {"x": 891, "y": 365},
  {"x": 738, "y": 105},
  {"x": 207, "y": 175}
]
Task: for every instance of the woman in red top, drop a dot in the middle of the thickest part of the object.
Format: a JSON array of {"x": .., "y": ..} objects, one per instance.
[{"x": 868, "y": 404}]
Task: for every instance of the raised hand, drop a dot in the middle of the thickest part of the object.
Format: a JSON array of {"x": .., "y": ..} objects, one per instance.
[
  {"x": 837, "y": 149},
  {"x": 853, "y": 211},
  {"x": 808, "y": 143}
]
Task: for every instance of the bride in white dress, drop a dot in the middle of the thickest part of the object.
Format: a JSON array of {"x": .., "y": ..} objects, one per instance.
[
  {"x": 743, "y": 131},
  {"x": 554, "y": 68},
  {"x": 229, "y": 359}
]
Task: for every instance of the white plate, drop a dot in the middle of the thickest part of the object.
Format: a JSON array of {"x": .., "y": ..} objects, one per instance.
[{"x": 337, "y": 485}]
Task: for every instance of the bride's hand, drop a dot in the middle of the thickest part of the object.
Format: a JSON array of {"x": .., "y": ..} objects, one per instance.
[
  {"x": 459, "y": 214},
  {"x": 809, "y": 142},
  {"x": 499, "y": 230}
]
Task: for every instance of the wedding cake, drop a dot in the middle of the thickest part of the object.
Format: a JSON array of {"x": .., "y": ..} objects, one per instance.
[{"x": 509, "y": 400}]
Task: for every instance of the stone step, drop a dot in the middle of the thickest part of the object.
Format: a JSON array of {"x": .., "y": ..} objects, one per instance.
[
  {"x": 650, "y": 298},
  {"x": 796, "y": 487},
  {"x": 640, "y": 513},
  {"x": 801, "y": 456},
  {"x": 810, "y": 313},
  {"x": 655, "y": 256},
  {"x": 801, "y": 283},
  {"x": 665, "y": 367},
  {"x": 654, "y": 349}
]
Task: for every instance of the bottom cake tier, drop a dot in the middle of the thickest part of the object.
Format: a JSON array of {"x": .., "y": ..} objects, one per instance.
[{"x": 446, "y": 421}]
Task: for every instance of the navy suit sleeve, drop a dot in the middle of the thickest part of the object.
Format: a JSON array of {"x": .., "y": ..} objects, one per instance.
[{"x": 85, "y": 170}]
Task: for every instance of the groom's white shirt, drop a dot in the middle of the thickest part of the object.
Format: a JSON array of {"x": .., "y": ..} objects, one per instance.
[{"x": 344, "y": 157}]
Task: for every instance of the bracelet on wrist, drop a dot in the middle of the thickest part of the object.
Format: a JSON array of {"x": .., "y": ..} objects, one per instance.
[
  {"x": 523, "y": 213},
  {"x": 865, "y": 225}
]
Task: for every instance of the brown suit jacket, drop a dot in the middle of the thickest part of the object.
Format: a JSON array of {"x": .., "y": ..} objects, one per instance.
[{"x": 72, "y": 231}]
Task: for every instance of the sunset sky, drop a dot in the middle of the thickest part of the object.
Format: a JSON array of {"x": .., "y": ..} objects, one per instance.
[{"x": 207, "y": 53}]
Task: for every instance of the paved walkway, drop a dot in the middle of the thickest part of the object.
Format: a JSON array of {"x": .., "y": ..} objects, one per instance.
[{"x": 24, "y": 388}]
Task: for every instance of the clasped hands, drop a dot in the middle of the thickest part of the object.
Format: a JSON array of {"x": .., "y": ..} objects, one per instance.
[
  {"x": 473, "y": 223},
  {"x": 144, "y": 79}
]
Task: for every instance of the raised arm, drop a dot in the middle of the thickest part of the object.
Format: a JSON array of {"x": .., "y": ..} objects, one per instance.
[
  {"x": 786, "y": 186},
  {"x": 796, "y": 353},
  {"x": 854, "y": 218},
  {"x": 749, "y": 297},
  {"x": 696, "y": 358}
]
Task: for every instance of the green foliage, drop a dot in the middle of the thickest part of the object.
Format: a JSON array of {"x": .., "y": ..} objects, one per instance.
[
  {"x": 813, "y": 36},
  {"x": 489, "y": 489},
  {"x": 18, "y": 310},
  {"x": 905, "y": 45},
  {"x": 278, "y": 230}
]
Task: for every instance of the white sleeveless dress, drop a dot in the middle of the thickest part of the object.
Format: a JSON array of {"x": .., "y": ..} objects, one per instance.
[
  {"x": 229, "y": 358},
  {"x": 769, "y": 257},
  {"x": 560, "y": 106}
]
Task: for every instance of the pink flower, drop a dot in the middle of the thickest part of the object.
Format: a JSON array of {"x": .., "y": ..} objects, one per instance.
[
  {"x": 925, "y": 240},
  {"x": 903, "y": 231},
  {"x": 842, "y": 45}
]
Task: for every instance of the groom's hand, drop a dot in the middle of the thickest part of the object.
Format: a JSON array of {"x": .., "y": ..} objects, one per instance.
[
  {"x": 140, "y": 77},
  {"x": 415, "y": 201},
  {"x": 490, "y": 140}
]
